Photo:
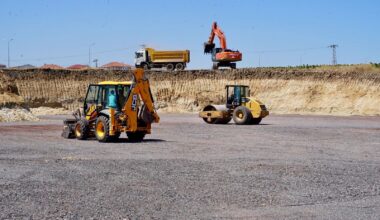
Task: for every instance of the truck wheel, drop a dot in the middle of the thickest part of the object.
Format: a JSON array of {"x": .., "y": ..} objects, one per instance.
[
  {"x": 145, "y": 66},
  {"x": 256, "y": 121},
  {"x": 215, "y": 66},
  {"x": 81, "y": 130},
  {"x": 137, "y": 136},
  {"x": 233, "y": 65},
  {"x": 242, "y": 115},
  {"x": 179, "y": 66},
  {"x": 102, "y": 129},
  {"x": 170, "y": 67}
]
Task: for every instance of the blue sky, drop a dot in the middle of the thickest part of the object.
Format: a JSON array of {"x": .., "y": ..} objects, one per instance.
[{"x": 268, "y": 32}]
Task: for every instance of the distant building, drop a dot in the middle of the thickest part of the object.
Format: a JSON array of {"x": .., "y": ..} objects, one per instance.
[
  {"x": 78, "y": 67},
  {"x": 51, "y": 66},
  {"x": 24, "y": 67},
  {"x": 116, "y": 66},
  {"x": 2, "y": 66}
]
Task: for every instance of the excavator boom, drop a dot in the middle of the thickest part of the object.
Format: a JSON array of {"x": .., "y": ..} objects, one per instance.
[{"x": 215, "y": 30}]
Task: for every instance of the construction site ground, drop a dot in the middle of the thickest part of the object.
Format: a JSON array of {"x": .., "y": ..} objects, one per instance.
[{"x": 290, "y": 167}]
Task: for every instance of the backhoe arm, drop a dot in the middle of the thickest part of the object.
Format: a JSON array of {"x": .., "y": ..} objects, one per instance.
[{"x": 141, "y": 88}]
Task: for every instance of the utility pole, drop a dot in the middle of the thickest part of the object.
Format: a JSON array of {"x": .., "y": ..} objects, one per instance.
[
  {"x": 89, "y": 54},
  {"x": 9, "y": 56},
  {"x": 334, "y": 60},
  {"x": 96, "y": 62}
]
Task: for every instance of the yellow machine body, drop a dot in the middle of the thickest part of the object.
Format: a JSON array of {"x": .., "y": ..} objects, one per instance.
[
  {"x": 133, "y": 114},
  {"x": 243, "y": 109}
]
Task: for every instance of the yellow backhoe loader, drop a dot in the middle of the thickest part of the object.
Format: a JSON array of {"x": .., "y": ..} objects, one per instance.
[
  {"x": 239, "y": 106},
  {"x": 111, "y": 108}
]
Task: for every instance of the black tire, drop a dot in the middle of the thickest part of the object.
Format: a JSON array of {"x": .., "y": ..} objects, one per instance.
[
  {"x": 215, "y": 66},
  {"x": 242, "y": 115},
  {"x": 102, "y": 129},
  {"x": 256, "y": 121},
  {"x": 170, "y": 67},
  {"x": 137, "y": 136},
  {"x": 116, "y": 136},
  {"x": 145, "y": 66},
  {"x": 179, "y": 66},
  {"x": 233, "y": 65},
  {"x": 82, "y": 130}
]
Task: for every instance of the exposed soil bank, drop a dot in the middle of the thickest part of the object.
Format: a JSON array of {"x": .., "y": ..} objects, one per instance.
[{"x": 352, "y": 91}]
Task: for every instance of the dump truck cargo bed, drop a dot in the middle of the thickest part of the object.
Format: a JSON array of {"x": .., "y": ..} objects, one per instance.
[{"x": 162, "y": 56}]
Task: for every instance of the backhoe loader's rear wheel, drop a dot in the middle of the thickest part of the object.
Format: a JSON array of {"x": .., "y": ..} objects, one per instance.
[
  {"x": 81, "y": 130},
  {"x": 179, "y": 66},
  {"x": 102, "y": 129},
  {"x": 242, "y": 115},
  {"x": 137, "y": 136},
  {"x": 170, "y": 67},
  {"x": 256, "y": 121}
]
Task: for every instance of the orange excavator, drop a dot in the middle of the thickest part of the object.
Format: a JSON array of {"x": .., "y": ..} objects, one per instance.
[{"x": 221, "y": 57}]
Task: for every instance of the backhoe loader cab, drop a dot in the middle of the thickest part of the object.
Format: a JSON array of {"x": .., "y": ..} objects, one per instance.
[
  {"x": 98, "y": 95},
  {"x": 111, "y": 108},
  {"x": 239, "y": 106}
]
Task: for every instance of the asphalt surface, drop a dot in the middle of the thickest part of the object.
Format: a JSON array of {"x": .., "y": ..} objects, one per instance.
[{"x": 290, "y": 167}]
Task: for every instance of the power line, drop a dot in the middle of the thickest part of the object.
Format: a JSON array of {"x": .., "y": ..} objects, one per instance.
[{"x": 286, "y": 50}]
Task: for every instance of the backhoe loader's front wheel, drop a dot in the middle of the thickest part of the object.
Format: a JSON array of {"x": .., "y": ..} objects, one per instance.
[
  {"x": 242, "y": 115},
  {"x": 137, "y": 136},
  {"x": 102, "y": 129},
  {"x": 81, "y": 130}
]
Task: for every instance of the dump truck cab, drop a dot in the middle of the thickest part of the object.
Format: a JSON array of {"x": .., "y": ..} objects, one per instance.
[
  {"x": 239, "y": 106},
  {"x": 141, "y": 58}
]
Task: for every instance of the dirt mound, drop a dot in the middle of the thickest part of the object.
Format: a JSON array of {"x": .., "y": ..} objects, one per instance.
[{"x": 16, "y": 114}]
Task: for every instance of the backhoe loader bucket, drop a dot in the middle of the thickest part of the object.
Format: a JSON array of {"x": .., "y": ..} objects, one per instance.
[{"x": 208, "y": 47}]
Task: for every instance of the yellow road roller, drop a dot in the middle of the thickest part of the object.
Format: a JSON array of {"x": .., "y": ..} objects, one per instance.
[{"x": 239, "y": 106}]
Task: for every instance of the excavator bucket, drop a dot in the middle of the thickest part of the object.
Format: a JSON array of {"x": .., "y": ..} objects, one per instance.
[{"x": 208, "y": 47}]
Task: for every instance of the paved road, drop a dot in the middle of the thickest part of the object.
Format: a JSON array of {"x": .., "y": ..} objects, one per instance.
[{"x": 290, "y": 167}]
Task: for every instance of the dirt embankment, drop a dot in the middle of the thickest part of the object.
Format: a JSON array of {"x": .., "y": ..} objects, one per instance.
[{"x": 283, "y": 90}]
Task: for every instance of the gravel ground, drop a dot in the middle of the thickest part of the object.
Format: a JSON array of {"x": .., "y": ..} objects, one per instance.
[{"x": 290, "y": 167}]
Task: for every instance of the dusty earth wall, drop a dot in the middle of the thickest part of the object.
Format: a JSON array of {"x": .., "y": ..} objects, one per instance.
[{"x": 283, "y": 90}]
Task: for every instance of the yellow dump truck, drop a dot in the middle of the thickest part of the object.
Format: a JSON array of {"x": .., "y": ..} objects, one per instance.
[{"x": 148, "y": 58}]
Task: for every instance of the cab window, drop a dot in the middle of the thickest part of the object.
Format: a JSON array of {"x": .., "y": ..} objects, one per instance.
[{"x": 92, "y": 94}]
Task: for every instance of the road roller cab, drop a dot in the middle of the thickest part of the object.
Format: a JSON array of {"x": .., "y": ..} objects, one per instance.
[{"x": 239, "y": 107}]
